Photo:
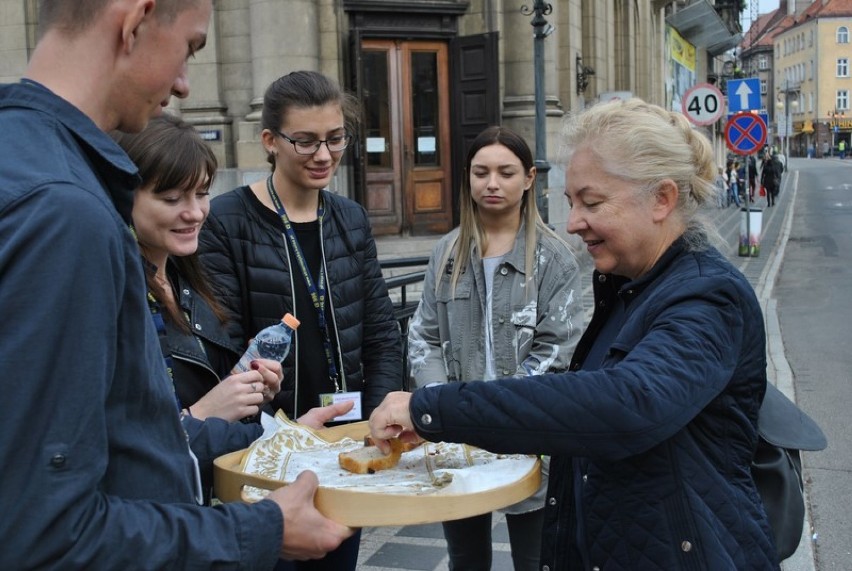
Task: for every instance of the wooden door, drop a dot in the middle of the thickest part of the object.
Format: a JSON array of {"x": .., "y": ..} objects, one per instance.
[
  {"x": 406, "y": 161},
  {"x": 476, "y": 100}
]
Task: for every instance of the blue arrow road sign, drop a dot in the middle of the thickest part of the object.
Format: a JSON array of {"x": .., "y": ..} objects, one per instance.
[
  {"x": 745, "y": 133},
  {"x": 743, "y": 94}
]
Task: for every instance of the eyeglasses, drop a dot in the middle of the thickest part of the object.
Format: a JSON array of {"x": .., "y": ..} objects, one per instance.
[{"x": 334, "y": 144}]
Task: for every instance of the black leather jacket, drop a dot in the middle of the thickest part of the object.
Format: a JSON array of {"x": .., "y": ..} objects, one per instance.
[
  {"x": 199, "y": 361},
  {"x": 201, "y": 358},
  {"x": 246, "y": 256}
]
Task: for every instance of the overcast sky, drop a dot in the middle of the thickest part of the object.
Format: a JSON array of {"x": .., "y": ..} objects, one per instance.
[{"x": 763, "y": 6}]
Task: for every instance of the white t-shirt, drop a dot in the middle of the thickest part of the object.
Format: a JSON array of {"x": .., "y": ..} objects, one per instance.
[{"x": 489, "y": 266}]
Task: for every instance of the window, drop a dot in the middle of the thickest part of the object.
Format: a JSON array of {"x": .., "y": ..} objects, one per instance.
[
  {"x": 763, "y": 87},
  {"x": 842, "y": 99},
  {"x": 762, "y": 62},
  {"x": 842, "y": 67},
  {"x": 842, "y": 35}
]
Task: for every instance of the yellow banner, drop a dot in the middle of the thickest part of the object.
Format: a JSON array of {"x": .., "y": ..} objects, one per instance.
[{"x": 682, "y": 51}]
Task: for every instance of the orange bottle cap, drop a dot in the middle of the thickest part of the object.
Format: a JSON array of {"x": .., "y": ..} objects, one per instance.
[{"x": 291, "y": 321}]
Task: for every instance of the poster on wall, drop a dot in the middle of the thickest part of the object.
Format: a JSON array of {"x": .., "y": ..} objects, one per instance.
[{"x": 680, "y": 68}]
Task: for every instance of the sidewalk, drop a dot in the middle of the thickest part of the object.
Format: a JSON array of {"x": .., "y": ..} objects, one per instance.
[{"x": 423, "y": 548}]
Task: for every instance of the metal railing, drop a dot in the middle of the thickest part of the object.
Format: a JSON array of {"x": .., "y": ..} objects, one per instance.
[{"x": 403, "y": 306}]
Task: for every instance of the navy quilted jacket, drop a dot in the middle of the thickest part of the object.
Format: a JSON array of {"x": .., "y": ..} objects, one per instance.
[{"x": 651, "y": 451}]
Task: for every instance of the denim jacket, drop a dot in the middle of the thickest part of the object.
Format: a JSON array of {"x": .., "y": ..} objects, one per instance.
[{"x": 533, "y": 334}]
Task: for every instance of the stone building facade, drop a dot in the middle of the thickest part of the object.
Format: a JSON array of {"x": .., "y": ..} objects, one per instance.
[{"x": 429, "y": 73}]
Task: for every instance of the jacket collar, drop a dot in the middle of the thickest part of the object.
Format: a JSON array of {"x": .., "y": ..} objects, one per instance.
[
  {"x": 515, "y": 257},
  {"x": 118, "y": 175},
  {"x": 629, "y": 289},
  {"x": 202, "y": 322}
]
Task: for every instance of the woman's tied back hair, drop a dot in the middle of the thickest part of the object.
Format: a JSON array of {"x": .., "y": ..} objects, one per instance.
[{"x": 645, "y": 144}]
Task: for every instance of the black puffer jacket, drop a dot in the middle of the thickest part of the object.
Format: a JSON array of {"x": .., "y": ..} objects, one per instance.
[{"x": 241, "y": 245}]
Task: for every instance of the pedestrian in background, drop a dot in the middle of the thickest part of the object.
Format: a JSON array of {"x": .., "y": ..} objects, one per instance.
[
  {"x": 770, "y": 177},
  {"x": 733, "y": 183},
  {"x": 752, "y": 176},
  {"x": 501, "y": 298},
  {"x": 97, "y": 473},
  {"x": 287, "y": 244},
  {"x": 652, "y": 432}
]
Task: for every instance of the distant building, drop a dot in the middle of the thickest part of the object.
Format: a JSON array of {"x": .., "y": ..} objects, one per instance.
[{"x": 809, "y": 82}]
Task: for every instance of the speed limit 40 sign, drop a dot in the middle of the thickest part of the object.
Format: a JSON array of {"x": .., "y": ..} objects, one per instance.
[{"x": 703, "y": 104}]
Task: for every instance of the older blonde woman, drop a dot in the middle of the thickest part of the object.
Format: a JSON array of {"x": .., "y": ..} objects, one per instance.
[{"x": 652, "y": 431}]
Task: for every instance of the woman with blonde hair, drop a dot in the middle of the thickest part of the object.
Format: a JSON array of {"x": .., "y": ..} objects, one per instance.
[
  {"x": 501, "y": 298},
  {"x": 652, "y": 431}
]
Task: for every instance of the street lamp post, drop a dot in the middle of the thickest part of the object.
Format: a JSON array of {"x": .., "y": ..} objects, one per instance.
[
  {"x": 786, "y": 104},
  {"x": 541, "y": 29}
]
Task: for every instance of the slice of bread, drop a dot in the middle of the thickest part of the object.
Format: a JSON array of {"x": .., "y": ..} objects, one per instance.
[
  {"x": 369, "y": 459},
  {"x": 406, "y": 446}
]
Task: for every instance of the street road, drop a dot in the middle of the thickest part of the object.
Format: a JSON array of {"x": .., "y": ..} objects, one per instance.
[{"x": 815, "y": 314}]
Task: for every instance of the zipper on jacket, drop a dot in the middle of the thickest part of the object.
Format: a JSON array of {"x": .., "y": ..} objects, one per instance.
[{"x": 341, "y": 370}]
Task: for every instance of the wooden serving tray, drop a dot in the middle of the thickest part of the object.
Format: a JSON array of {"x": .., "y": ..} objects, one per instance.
[{"x": 372, "y": 509}]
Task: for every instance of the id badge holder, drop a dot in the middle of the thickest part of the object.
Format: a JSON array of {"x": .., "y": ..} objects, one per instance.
[{"x": 326, "y": 399}]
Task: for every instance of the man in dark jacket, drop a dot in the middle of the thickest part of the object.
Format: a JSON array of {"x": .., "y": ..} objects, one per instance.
[
  {"x": 770, "y": 178},
  {"x": 97, "y": 473},
  {"x": 752, "y": 177}
]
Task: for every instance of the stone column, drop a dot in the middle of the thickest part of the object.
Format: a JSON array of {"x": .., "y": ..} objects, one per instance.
[
  {"x": 205, "y": 108},
  {"x": 284, "y": 38},
  {"x": 17, "y": 37}
]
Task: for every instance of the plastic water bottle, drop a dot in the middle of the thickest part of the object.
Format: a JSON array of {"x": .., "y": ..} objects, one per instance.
[{"x": 271, "y": 343}]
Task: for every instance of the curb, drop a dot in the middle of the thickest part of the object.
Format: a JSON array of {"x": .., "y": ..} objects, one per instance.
[{"x": 778, "y": 368}]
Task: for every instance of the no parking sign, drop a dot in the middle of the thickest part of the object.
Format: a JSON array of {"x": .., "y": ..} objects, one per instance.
[{"x": 745, "y": 133}]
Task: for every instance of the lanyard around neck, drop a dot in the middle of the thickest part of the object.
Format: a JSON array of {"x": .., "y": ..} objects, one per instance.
[{"x": 317, "y": 290}]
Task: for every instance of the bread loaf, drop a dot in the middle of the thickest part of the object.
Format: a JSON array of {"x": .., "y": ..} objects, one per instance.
[
  {"x": 406, "y": 446},
  {"x": 370, "y": 459}
]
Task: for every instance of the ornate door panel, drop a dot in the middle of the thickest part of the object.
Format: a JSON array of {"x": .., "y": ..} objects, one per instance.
[{"x": 405, "y": 94}]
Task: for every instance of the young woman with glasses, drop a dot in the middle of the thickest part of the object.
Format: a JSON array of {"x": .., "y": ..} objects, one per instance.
[{"x": 287, "y": 244}]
